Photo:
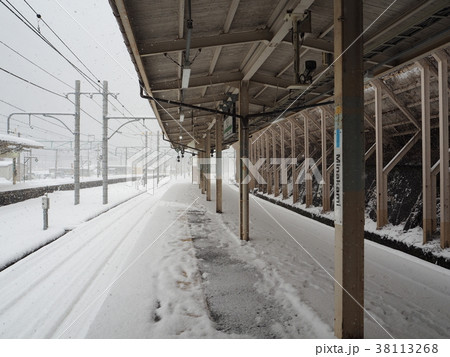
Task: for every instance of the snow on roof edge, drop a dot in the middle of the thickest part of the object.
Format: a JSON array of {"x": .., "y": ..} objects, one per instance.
[{"x": 15, "y": 140}]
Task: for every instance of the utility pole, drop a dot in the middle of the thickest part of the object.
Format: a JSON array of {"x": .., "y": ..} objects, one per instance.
[
  {"x": 157, "y": 159},
  {"x": 56, "y": 163},
  {"x": 15, "y": 170},
  {"x": 98, "y": 160},
  {"x": 77, "y": 143},
  {"x": 89, "y": 163},
  {"x": 105, "y": 143},
  {"x": 146, "y": 159}
]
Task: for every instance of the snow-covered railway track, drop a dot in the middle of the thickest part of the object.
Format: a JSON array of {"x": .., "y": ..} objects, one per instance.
[{"x": 63, "y": 280}]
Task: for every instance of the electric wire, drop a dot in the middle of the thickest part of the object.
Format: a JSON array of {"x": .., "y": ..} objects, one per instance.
[
  {"x": 36, "y": 65},
  {"x": 77, "y": 57},
  {"x": 96, "y": 85},
  {"x": 120, "y": 65},
  {"x": 31, "y": 83},
  {"x": 28, "y": 24},
  {"x": 64, "y": 43}
]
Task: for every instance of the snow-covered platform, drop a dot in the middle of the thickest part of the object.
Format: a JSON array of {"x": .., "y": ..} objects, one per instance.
[{"x": 169, "y": 266}]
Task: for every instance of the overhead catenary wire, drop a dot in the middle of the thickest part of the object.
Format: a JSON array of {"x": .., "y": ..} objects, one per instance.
[
  {"x": 62, "y": 41},
  {"x": 78, "y": 58},
  {"x": 93, "y": 82},
  {"x": 35, "y": 64},
  {"x": 36, "y": 31},
  {"x": 31, "y": 83},
  {"x": 121, "y": 66}
]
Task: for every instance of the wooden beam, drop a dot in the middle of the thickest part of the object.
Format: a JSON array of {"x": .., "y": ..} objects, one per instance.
[
  {"x": 276, "y": 178},
  {"x": 284, "y": 188},
  {"x": 265, "y": 50},
  {"x": 308, "y": 176},
  {"x": 382, "y": 214},
  {"x": 225, "y": 39},
  {"x": 325, "y": 183},
  {"x": 269, "y": 179},
  {"x": 396, "y": 159},
  {"x": 442, "y": 60},
  {"x": 195, "y": 82},
  {"x": 395, "y": 100},
  {"x": 208, "y": 164},
  {"x": 426, "y": 150},
  {"x": 219, "y": 163},
  {"x": 294, "y": 165}
]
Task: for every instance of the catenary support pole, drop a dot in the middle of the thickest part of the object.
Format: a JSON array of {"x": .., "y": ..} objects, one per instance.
[
  {"x": 15, "y": 170},
  {"x": 219, "y": 164},
  {"x": 76, "y": 165},
  {"x": 105, "y": 143},
  {"x": 349, "y": 169},
  {"x": 243, "y": 154},
  {"x": 441, "y": 58},
  {"x": 56, "y": 163}
]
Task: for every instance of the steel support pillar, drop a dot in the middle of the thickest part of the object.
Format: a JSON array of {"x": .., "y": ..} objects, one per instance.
[
  {"x": 284, "y": 188},
  {"x": 308, "y": 176},
  {"x": 441, "y": 58},
  {"x": 252, "y": 160},
  {"x": 208, "y": 165},
  {"x": 294, "y": 165},
  {"x": 266, "y": 137},
  {"x": 199, "y": 172},
  {"x": 276, "y": 176},
  {"x": 243, "y": 154},
  {"x": 325, "y": 177},
  {"x": 426, "y": 150},
  {"x": 203, "y": 171},
  {"x": 349, "y": 169},
  {"x": 263, "y": 168},
  {"x": 382, "y": 211},
  {"x": 219, "y": 164},
  {"x": 258, "y": 151}
]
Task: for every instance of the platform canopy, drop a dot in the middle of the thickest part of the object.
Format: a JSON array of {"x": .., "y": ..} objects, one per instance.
[
  {"x": 11, "y": 145},
  {"x": 252, "y": 40}
]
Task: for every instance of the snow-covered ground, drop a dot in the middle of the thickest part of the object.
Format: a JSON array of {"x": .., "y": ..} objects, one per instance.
[
  {"x": 169, "y": 266},
  {"x": 22, "y": 223},
  {"x": 6, "y": 185},
  {"x": 412, "y": 237}
]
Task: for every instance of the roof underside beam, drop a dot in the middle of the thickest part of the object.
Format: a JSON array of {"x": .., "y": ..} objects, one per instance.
[
  {"x": 225, "y": 39},
  {"x": 195, "y": 82}
]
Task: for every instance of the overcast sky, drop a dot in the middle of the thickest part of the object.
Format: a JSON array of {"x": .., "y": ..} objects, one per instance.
[{"x": 97, "y": 18}]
